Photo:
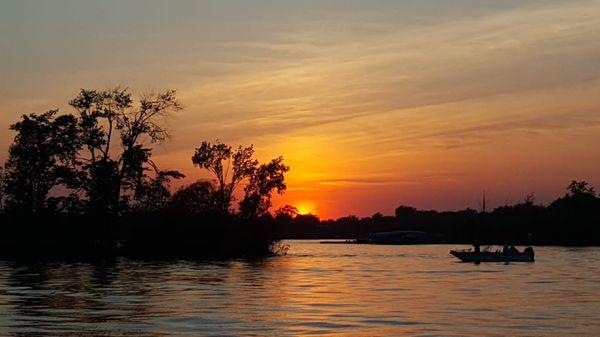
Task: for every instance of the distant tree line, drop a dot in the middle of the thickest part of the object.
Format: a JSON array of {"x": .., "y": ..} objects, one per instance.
[
  {"x": 573, "y": 219},
  {"x": 85, "y": 183}
]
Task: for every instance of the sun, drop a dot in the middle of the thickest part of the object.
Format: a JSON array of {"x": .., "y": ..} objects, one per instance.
[{"x": 306, "y": 207}]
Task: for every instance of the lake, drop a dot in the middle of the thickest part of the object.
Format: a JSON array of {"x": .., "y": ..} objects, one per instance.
[{"x": 316, "y": 289}]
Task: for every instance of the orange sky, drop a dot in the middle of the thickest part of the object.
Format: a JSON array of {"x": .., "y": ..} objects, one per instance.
[{"x": 373, "y": 104}]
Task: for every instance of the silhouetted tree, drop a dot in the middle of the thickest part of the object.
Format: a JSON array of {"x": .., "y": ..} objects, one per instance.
[
  {"x": 115, "y": 167},
  {"x": 305, "y": 223},
  {"x": 404, "y": 211},
  {"x": 232, "y": 167},
  {"x": 67, "y": 204},
  {"x": 2, "y": 189},
  {"x": 42, "y": 156},
  {"x": 286, "y": 212},
  {"x": 98, "y": 161},
  {"x": 229, "y": 167},
  {"x": 198, "y": 198},
  {"x": 262, "y": 182},
  {"x": 529, "y": 199},
  {"x": 579, "y": 189},
  {"x": 153, "y": 193}
]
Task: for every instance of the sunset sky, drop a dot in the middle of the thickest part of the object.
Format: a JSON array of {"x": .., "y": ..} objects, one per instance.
[{"x": 372, "y": 103}]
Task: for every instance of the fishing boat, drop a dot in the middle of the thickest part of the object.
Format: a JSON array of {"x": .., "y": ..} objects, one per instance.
[{"x": 499, "y": 256}]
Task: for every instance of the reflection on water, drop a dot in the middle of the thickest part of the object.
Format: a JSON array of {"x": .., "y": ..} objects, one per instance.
[{"x": 316, "y": 289}]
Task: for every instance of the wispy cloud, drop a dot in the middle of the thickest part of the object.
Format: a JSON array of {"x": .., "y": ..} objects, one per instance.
[
  {"x": 359, "y": 75},
  {"x": 354, "y": 93}
]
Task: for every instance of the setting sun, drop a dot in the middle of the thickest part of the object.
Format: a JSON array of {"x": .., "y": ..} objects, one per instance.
[{"x": 306, "y": 207}]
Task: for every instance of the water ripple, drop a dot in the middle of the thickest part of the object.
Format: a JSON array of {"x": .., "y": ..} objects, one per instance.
[{"x": 327, "y": 290}]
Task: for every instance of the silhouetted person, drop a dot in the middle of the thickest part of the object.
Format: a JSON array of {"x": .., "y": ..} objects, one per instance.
[
  {"x": 529, "y": 251},
  {"x": 477, "y": 247}
]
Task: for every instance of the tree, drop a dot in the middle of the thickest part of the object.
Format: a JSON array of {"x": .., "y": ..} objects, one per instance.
[
  {"x": 284, "y": 216},
  {"x": 2, "y": 189},
  {"x": 529, "y": 199},
  {"x": 153, "y": 193},
  {"x": 579, "y": 189},
  {"x": 111, "y": 173},
  {"x": 229, "y": 167},
  {"x": 42, "y": 156},
  {"x": 197, "y": 198},
  {"x": 232, "y": 167},
  {"x": 405, "y": 211},
  {"x": 262, "y": 182},
  {"x": 307, "y": 221},
  {"x": 286, "y": 212}
]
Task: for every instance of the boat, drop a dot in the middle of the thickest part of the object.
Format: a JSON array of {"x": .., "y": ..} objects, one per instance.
[{"x": 500, "y": 256}]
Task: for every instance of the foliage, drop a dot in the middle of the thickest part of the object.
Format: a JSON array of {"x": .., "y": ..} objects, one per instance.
[
  {"x": 580, "y": 189},
  {"x": 195, "y": 199},
  {"x": 110, "y": 174},
  {"x": 152, "y": 194},
  {"x": 85, "y": 183},
  {"x": 232, "y": 167},
  {"x": 42, "y": 156},
  {"x": 262, "y": 182},
  {"x": 101, "y": 154},
  {"x": 286, "y": 212},
  {"x": 2, "y": 189}
]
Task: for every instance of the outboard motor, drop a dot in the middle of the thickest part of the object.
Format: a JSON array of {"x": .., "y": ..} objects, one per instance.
[{"x": 529, "y": 251}]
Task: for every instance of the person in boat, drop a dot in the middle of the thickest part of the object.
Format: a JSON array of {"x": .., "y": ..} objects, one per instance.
[
  {"x": 529, "y": 251},
  {"x": 509, "y": 249},
  {"x": 477, "y": 247}
]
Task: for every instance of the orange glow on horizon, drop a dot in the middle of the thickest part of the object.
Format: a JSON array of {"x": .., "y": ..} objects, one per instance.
[{"x": 306, "y": 207}]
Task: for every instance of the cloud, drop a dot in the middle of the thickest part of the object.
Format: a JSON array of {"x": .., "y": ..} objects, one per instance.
[
  {"x": 336, "y": 77},
  {"x": 353, "y": 93}
]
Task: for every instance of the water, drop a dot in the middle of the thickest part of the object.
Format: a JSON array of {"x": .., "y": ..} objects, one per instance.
[{"x": 358, "y": 290}]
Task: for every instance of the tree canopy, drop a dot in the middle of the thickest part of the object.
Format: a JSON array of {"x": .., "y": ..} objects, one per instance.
[
  {"x": 43, "y": 155},
  {"x": 232, "y": 167},
  {"x": 101, "y": 154}
]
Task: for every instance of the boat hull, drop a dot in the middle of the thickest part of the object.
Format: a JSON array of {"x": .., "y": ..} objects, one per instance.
[{"x": 492, "y": 257}]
